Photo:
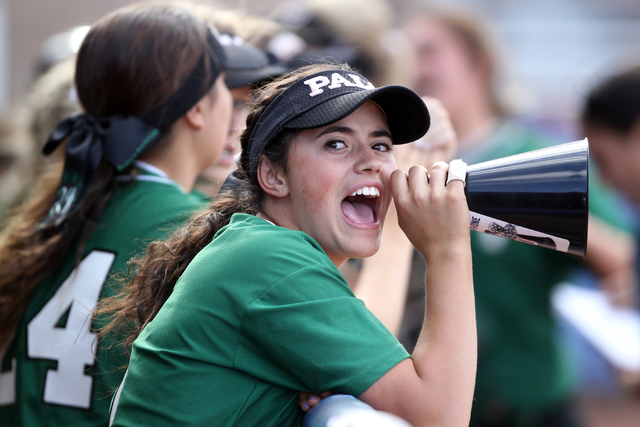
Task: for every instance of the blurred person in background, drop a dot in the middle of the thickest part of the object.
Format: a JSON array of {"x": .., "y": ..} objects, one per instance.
[
  {"x": 357, "y": 32},
  {"x": 524, "y": 376},
  {"x": 248, "y": 67},
  {"x": 157, "y": 113},
  {"x": 611, "y": 121},
  {"x": 9, "y": 153},
  {"x": 49, "y": 101},
  {"x": 58, "y": 48}
]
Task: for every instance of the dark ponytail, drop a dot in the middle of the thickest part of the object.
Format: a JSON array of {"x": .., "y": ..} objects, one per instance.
[{"x": 130, "y": 62}]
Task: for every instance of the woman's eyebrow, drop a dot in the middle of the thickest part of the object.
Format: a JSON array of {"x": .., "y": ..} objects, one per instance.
[
  {"x": 345, "y": 129},
  {"x": 381, "y": 133},
  {"x": 342, "y": 129}
]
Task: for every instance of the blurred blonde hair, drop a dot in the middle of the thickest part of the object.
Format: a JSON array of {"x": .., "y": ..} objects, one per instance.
[
  {"x": 47, "y": 103},
  {"x": 364, "y": 24},
  {"x": 255, "y": 30}
]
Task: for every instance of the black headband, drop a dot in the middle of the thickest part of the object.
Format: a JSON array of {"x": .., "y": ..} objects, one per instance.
[
  {"x": 120, "y": 139},
  {"x": 329, "y": 96}
]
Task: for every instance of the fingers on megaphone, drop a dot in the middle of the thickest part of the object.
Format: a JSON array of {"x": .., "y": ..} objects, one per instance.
[{"x": 457, "y": 172}]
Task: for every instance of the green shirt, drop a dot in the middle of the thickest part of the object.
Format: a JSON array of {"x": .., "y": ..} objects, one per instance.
[
  {"x": 49, "y": 375},
  {"x": 260, "y": 314}
]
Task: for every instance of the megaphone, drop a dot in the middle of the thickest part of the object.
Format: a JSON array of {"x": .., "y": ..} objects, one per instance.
[{"x": 539, "y": 197}]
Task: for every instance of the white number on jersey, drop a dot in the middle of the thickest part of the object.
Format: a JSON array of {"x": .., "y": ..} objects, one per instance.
[
  {"x": 7, "y": 384},
  {"x": 72, "y": 346}
]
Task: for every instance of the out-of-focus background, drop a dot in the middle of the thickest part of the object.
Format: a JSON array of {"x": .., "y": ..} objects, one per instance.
[
  {"x": 551, "y": 53},
  {"x": 552, "y": 49}
]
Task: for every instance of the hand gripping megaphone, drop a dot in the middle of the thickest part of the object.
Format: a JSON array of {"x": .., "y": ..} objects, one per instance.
[{"x": 539, "y": 197}]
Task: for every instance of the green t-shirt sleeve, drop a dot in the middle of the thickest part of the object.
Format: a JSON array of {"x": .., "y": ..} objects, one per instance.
[{"x": 313, "y": 334}]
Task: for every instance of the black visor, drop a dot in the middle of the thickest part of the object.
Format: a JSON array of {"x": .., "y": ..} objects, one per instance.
[{"x": 330, "y": 96}]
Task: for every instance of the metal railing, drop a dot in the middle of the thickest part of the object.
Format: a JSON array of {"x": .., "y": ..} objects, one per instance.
[{"x": 341, "y": 410}]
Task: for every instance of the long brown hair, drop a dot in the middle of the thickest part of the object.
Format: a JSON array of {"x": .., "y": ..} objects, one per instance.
[
  {"x": 129, "y": 62},
  {"x": 157, "y": 272}
]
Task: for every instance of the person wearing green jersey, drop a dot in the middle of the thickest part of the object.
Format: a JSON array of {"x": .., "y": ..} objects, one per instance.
[
  {"x": 245, "y": 307},
  {"x": 525, "y": 377},
  {"x": 150, "y": 79}
]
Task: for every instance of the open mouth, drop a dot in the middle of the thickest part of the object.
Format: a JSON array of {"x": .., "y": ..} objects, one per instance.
[{"x": 362, "y": 206}]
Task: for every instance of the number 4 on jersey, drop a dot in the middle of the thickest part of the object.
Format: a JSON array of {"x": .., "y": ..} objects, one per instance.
[{"x": 70, "y": 341}]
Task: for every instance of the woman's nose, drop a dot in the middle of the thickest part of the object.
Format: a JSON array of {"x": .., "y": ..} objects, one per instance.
[{"x": 368, "y": 160}]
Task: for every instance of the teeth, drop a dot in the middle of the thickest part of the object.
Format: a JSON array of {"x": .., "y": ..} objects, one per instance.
[{"x": 367, "y": 191}]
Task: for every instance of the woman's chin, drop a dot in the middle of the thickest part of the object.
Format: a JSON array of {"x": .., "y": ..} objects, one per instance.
[{"x": 365, "y": 250}]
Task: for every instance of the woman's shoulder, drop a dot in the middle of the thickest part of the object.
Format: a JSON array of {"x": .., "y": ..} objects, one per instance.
[
  {"x": 148, "y": 200},
  {"x": 142, "y": 212},
  {"x": 250, "y": 244},
  {"x": 257, "y": 235},
  {"x": 250, "y": 256}
]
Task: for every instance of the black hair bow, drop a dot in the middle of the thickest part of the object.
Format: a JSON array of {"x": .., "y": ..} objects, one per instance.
[{"x": 118, "y": 139}]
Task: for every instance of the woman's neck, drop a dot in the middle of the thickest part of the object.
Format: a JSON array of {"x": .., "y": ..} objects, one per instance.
[
  {"x": 337, "y": 261},
  {"x": 177, "y": 161}
]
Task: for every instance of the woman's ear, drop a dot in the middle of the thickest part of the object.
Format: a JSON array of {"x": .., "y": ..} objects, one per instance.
[
  {"x": 195, "y": 117},
  {"x": 272, "y": 179}
]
